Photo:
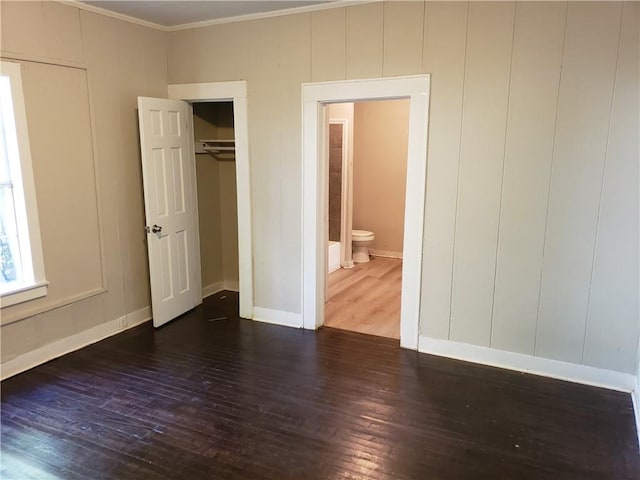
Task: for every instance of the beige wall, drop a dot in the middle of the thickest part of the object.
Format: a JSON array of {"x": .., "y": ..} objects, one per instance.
[
  {"x": 380, "y": 138},
  {"x": 526, "y": 150},
  {"x": 217, "y": 208},
  {"x": 82, "y": 73},
  {"x": 540, "y": 233}
]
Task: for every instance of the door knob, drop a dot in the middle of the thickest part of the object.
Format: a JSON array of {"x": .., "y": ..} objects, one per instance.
[{"x": 154, "y": 229}]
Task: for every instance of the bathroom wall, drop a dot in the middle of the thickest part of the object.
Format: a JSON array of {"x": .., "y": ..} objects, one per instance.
[
  {"x": 381, "y": 130},
  {"x": 531, "y": 234},
  {"x": 335, "y": 180},
  {"x": 82, "y": 73},
  {"x": 344, "y": 113},
  {"x": 217, "y": 210}
]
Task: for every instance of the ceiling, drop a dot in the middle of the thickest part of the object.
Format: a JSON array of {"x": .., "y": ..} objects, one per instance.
[{"x": 179, "y": 12}]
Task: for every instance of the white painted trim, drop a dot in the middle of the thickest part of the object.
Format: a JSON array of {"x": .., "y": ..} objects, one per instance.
[
  {"x": 63, "y": 302},
  {"x": 197, "y": 271},
  {"x": 635, "y": 398},
  {"x": 277, "y": 317},
  {"x": 236, "y": 92},
  {"x": 24, "y": 294},
  {"x": 25, "y": 204},
  {"x": 545, "y": 367},
  {"x": 74, "y": 342},
  {"x": 314, "y": 95},
  {"x": 136, "y": 318},
  {"x": 212, "y": 289},
  {"x": 28, "y": 57},
  {"x": 218, "y": 21},
  {"x": 276, "y": 13},
  {"x": 385, "y": 253},
  {"x": 108, "y": 13},
  {"x": 208, "y": 92}
]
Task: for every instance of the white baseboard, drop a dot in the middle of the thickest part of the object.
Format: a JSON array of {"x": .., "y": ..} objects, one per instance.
[
  {"x": 214, "y": 288},
  {"x": 74, "y": 342},
  {"x": 529, "y": 364},
  {"x": 635, "y": 398},
  {"x": 385, "y": 253},
  {"x": 232, "y": 285},
  {"x": 277, "y": 317}
]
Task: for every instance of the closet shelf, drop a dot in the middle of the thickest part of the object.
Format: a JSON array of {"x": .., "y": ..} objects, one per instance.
[{"x": 220, "y": 149}]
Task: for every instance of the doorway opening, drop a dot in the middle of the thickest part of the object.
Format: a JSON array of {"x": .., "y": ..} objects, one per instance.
[
  {"x": 316, "y": 97},
  {"x": 214, "y": 149},
  {"x": 367, "y": 168}
]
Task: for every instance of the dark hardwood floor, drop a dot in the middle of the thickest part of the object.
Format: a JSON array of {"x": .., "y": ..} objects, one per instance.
[{"x": 211, "y": 398}]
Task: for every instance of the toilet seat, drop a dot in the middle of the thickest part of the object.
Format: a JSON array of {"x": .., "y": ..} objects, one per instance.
[{"x": 362, "y": 235}]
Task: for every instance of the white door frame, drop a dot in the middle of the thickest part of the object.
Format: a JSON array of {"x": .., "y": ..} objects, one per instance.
[
  {"x": 237, "y": 93},
  {"x": 314, "y": 210}
]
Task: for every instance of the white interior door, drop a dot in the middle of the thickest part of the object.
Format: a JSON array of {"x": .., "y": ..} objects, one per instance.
[{"x": 168, "y": 171}]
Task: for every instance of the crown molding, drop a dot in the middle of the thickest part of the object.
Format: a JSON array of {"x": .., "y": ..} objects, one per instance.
[
  {"x": 217, "y": 21},
  {"x": 108, "y": 13},
  {"x": 275, "y": 13}
]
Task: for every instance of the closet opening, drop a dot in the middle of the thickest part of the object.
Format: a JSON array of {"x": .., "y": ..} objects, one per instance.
[{"x": 215, "y": 159}]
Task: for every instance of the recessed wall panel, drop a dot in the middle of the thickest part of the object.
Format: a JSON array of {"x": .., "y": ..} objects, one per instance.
[
  {"x": 183, "y": 262},
  {"x": 444, "y": 59},
  {"x": 156, "y": 122},
  {"x": 533, "y": 99},
  {"x": 403, "y": 38},
  {"x": 365, "y": 52},
  {"x": 166, "y": 271},
  {"x": 174, "y": 123},
  {"x": 160, "y": 177},
  {"x": 584, "y": 112},
  {"x": 328, "y": 45},
  {"x": 612, "y": 326},
  {"x": 178, "y": 180},
  {"x": 484, "y": 114}
]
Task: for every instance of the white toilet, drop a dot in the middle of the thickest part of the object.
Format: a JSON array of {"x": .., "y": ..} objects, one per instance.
[{"x": 361, "y": 240}]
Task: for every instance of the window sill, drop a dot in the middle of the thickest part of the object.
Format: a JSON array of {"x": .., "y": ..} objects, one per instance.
[{"x": 24, "y": 294}]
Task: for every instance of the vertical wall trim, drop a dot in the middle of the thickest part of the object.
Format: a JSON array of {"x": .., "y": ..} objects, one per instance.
[
  {"x": 96, "y": 176},
  {"x": 553, "y": 156},
  {"x": 604, "y": 173},
  {"x": 424, "y": 32},
  {"x": 455, "y": 218},
  {"x": 346, "y": 25},
  {"x": 384, "y": 15},
  {"x": 504, "y": 161}
]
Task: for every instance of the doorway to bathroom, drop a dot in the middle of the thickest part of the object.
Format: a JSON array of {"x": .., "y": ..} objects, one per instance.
[
  {"x": 316, "y": 97},
  {"x": 367, "y": 144}
]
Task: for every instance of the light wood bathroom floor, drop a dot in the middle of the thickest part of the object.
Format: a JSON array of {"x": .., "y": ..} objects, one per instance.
[{"x": 366, "y": 298}]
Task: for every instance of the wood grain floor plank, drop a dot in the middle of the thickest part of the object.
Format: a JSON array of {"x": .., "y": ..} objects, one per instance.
[
  {"x": 366, "y": 298},
  {"x": 235, "y": 399}
]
